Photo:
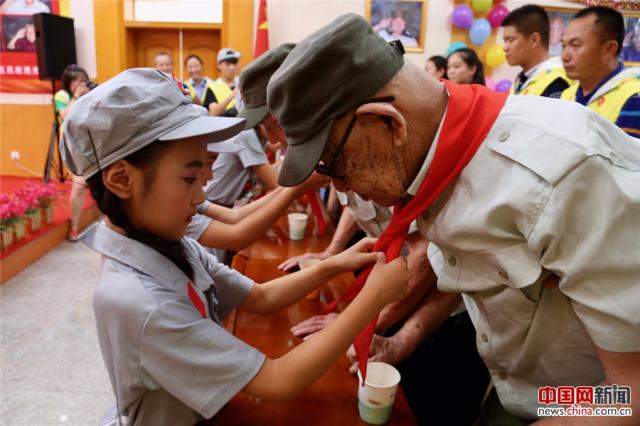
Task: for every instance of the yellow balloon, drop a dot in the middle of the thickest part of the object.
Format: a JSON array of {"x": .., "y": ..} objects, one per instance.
[
  {"x": 495, "y": 56},
  {"x": 481, "y": 5}
]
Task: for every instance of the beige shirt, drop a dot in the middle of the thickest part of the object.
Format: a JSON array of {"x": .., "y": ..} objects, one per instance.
[{"x": 554, "y": 188}]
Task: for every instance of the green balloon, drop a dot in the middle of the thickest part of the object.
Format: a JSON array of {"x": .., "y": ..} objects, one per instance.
[{"x": 481, "y": 5}]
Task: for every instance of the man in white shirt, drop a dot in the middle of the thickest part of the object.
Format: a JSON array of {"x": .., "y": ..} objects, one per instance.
[{"x": 539, "y": 231}]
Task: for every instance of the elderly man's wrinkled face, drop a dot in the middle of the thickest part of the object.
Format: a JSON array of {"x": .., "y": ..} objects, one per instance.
[{"x": 369, "y": 161}]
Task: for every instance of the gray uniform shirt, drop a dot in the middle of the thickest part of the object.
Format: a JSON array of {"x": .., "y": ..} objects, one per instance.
[
  {"x": 231, "y": 171},
  {"x": 167, "y": 364}
]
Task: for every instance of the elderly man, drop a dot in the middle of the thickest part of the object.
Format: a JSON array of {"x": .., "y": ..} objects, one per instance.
[
  {"x": 412, "y": 327},
  {"x": 512, "y": 192}
]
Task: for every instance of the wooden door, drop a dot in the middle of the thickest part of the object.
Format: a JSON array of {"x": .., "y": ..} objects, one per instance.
[
  {"x": 150, "y": 42},
  {"x": 205, "y": 44},
  {"x": 179, "y": 43}
]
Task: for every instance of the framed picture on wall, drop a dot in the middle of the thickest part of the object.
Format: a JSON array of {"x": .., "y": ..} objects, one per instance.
[
  {"x": 558, "y": 20},
  {"x": 403, "y": 20},
  {"x": 631, "y": 43}
]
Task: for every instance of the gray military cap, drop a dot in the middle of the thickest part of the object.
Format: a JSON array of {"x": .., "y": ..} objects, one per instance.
[
  {"x": 253, "y": 83},
  {"x": 132, "y": 110},
  {"x": 326, "y": 75}
]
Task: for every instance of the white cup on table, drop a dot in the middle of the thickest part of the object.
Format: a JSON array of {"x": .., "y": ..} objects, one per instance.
[
  {"x": 297, "y": 226},
  {"x": 376, "y": 397}
]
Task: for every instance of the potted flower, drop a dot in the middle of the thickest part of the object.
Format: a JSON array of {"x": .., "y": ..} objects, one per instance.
[
  {"x": 6, "y": 222},
  {"x": 12, "y": 211},
  {"x": 47, "y": 195},
  {"x": 29, "y": 195}
]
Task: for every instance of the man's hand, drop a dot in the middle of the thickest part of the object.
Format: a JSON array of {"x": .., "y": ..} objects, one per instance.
[
  {"x": 313, "y": 325},
  {"x": 383, "y": 349},
  {"x": 289, "y": 264}
]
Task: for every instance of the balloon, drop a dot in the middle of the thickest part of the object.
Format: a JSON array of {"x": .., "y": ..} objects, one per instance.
[
  {"x": 462, "y": 16},
  {"x": 455, "y": 46},
  {"x": 494, "y": 56},
  {"x": 480, "y": 31},
  {"x": 481, "y": 5},
  {"x": 497, "y": 15},
  {"x": 503, "y": 86},
  {"x": 490, "y": 83}
]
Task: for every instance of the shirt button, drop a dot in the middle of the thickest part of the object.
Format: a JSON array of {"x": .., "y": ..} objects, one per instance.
[
  {"x": 503, "y": 274},
  {"x": 484, "y": 337},
  {"x": 503, "y": 136},
  {"x": 452, "y": 261}
]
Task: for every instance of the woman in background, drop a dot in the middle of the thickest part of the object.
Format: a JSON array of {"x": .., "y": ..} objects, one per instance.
[
  {"x": 436, "y": 66},
  {"x": 74, "y": 85},
  {"x": 464, "y": 67}
]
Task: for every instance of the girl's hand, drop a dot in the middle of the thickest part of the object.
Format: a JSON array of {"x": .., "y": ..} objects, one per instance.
[
  {"x": 389, "y": 281},
  {"x": 356, "y": 256}
]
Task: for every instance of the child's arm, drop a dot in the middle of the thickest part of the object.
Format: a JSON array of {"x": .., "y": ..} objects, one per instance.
[
  {"x": 235, "y": 215},
  {"x": 285, "y": 377},
  {"x": 282, "y": 292},
  {"x": 239, "y": 235}
]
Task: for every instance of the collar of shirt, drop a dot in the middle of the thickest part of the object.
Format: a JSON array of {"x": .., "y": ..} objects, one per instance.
[
  {"x": 415, "y": 185},
  {"x": 143, "y": 258},
  {"x": 199, "y": 87},
  {"x": 584, "y": 100}
]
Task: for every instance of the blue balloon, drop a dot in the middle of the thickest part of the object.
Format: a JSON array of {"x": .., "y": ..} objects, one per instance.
[
  {"x": 480, "y": 31},
  {"x": 455, "y": 46}
]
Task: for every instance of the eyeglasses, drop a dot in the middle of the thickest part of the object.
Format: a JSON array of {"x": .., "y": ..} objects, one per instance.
[{"x": 328, "y": 169}]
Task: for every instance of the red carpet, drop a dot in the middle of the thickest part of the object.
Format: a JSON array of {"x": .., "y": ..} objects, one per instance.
[{"x": 11, "y": 184}]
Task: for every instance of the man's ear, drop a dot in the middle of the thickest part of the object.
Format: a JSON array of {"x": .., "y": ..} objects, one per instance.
[
  {"x": 117, "y": 178},
  {"x": 611, "y": 47},
  {"x": 368, "y": 114},
  {"x": 535, "y": 39}
]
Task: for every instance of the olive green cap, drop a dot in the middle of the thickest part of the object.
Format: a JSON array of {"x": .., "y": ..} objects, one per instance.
[
  {"x": 326, "y": 75},
  {"x": 253, "y": 83}
]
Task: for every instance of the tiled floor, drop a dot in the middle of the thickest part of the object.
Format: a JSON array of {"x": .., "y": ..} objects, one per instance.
[{"x": 51, "y": 371}]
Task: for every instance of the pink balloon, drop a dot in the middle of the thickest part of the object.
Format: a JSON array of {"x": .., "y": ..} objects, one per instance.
[
  {"x": 497, "y": 15},
  {"x": 490, "y": 83}
]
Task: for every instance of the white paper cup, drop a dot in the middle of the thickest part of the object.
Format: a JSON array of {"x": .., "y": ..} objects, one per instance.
[
  {"x": 297, "y": 226},
  {"x": 304, "y": 264},
  {"x": 376, "y": 397}
]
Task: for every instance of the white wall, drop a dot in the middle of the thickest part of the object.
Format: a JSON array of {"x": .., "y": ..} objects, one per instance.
[{"x": 292, "y": 20}]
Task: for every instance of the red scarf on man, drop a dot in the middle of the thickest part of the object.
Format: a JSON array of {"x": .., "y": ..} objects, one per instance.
[{"x": 471, "y": 112}]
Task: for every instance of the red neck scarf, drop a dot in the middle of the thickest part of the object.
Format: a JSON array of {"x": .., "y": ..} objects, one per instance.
[{"x": 471, "y": 112}]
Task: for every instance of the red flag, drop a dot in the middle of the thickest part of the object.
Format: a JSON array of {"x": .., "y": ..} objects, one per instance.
[{"x": 262, "y": 31}]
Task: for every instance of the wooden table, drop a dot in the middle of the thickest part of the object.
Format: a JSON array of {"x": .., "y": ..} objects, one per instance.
[{"x": 332, "y": 400}]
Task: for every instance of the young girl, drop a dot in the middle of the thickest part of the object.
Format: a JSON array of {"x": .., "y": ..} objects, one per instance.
[
  {"x": 141, "y": 145},
  {"x": 464, "y": 67}
]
